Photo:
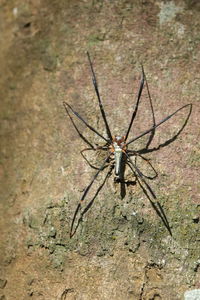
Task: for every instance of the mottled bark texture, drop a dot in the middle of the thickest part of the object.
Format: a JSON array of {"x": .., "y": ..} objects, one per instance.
[{"x": 121, "y": 250}]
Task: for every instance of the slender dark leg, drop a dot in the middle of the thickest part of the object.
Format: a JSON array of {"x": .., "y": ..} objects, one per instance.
[
  {"x": 137, "y": 103},
  {"x": 98, "y": 190},
  {"x": 140, "y": 175},
  {"x": 94, "y": 80},
  {"x": 72, "y": 232},
  {"x": 158, "y": 124},
  {"x": 169, "y": 141},
  {"x": 156, "y": 205},
  {"x": 158, "y": 208},
  {"x": 152, "y": 110},
  {"x": 80, "y": 118},
  {"x": 81, "y": 136},
  {"x": 88, "y": 149},
  {"x": 136, "y": 154}
]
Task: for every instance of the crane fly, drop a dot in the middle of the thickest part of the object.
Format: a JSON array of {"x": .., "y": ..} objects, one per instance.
[{"x": 117, "y": 150}]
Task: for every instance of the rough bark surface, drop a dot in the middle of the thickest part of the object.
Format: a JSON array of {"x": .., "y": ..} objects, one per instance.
[{"x": 121, "y": 250}]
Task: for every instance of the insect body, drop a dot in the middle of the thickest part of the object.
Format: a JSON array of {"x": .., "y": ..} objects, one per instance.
[
  {"x": 118, "y": 147},
  {"x": 118, "y": 152}
]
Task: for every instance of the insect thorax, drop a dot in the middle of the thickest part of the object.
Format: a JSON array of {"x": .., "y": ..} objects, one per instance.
[{"x": 118, "y": 144}]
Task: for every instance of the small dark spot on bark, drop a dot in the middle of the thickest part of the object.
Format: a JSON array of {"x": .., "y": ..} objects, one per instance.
[
  {"x": 27, "y": 25},
  {"x": 195, "y": 219}
]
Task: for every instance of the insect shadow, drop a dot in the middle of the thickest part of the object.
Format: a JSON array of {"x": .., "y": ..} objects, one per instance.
[{"x": 119, "y": 156}]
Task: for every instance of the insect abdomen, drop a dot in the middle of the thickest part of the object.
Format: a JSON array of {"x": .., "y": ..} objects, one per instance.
[{"x": 118, "y": 158}]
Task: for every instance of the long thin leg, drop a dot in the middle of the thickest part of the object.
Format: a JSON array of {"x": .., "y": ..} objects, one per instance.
[
  {"x": 88, "y": 149},
  {"x": 98, "y": 190},
  {"x": 140, "y": 175},
  {"x": 156, "y": 205},
  {"x": 72, "y": 232},
  {"x": 94, "y": 80},
  {"x": 158, "y": 208},
  {"x": 137, "y": 103},
  {"x": 158, "y": 124},
  {"x": 79, "y": 133},
  {"x": 169, "y": 141},
  {"x": 136, "y": 154},
  {"x": 80, "y": 118},
  {"x": 152, "y": 110}
]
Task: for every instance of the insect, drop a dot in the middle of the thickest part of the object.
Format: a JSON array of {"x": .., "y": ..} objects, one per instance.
[{"x": 117, "y": 150}]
